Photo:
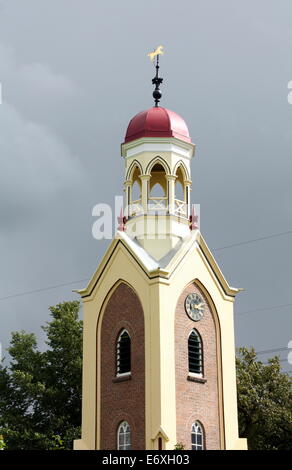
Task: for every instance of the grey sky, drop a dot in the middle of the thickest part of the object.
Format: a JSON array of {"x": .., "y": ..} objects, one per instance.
[{"x": 73, "y": 73}]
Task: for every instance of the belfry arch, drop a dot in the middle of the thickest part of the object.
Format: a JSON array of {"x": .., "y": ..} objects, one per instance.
[
  {"x": 158, "y": 189},
  {"x": 182, "y": 191}
]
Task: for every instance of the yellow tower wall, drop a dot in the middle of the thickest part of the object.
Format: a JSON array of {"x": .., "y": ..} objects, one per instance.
[{"x": 158, "y": 292}]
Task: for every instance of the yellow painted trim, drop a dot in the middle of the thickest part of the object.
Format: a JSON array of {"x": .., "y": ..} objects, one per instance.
[
  {"x": 129, "y": 174},
  {"x": 184, "y": 169},
  {"x": 215, "y": 316}
]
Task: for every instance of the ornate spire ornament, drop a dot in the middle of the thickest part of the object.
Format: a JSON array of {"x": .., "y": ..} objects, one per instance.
[
  {"x": 194, "y": 219},
  {"x": 156, "y": 80},
  {"x": 122, "y": 221}
]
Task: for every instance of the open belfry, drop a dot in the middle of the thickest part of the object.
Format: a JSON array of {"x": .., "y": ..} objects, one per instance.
[{"x": 158, "y": 344}]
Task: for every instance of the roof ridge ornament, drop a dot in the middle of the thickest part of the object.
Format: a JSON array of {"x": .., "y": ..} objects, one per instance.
[
  {"x": 156, "y": 80},
  {"x": 193, "y": 219}
]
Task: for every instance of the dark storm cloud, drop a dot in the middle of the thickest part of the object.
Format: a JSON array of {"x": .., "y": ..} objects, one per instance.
[
  {"x": 75, "y": 73},
  {"x": 36, "y": 165}
]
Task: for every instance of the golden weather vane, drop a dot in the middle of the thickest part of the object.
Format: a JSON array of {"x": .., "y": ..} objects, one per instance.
[{"x": 156, "y": 52}]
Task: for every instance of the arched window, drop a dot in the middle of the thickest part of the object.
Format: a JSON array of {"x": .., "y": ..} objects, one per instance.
[
  {"x": 157, "y": 200},
  {"x": 123, "y": 353},
  {"x": 133, "y": 196},
  {"x": 195, "y": 353},
  {"x": 179, "y": 184},
  {"x": 124, "y": 436},
  {"x": 197, "y": 436},
  {"x": 181, "y": 201}
]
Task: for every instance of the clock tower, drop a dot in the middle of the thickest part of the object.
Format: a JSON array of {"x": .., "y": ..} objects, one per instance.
[{"x": 159, "y": 354}]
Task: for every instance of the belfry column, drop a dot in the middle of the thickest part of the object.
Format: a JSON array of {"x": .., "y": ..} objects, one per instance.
[
  {"x": 187, "y": 190},
  {"x": 128, "y": 198},
  {"x": 144, "y": 192},
  {"x": 171, "y": 192}
]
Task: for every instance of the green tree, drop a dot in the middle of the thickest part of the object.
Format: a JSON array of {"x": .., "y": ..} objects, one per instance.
[
  {"x": 264, "y": 402},
  {"x": 40, "y": 392}
]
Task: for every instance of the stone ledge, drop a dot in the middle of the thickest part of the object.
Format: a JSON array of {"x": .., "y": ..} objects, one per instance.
[
  {"x": 122, "y": 378},
  {"x": 200, "y": 380}
]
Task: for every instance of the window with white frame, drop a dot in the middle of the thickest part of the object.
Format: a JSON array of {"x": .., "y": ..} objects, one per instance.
[
  {"x": 123, "y": 353},
  {"x": 124, "y": 436},
  {"x": 197, "y": 436}
]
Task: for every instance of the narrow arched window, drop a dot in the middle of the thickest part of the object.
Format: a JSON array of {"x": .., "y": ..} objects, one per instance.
[
  {"x": 195, "y": 353},
  {"x": 124, "y": 436},
  {"x": 123, "y": 353},
  {"x": 157, "y": 200},
  {"x": 197, "y": 436}
]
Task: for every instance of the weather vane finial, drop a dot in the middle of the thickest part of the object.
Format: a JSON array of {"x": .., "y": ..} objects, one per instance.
[{"x": 156, "y": 80}]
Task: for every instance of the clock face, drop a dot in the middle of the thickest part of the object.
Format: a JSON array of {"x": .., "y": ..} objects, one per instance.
[{"x": 195, "y": 306}]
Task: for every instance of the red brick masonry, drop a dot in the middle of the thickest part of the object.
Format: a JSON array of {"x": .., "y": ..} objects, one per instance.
[
  {"x": 122, "y": 400},
  {"x": 196, "y": 401}
]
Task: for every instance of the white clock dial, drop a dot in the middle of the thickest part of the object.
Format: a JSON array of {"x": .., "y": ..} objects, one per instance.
[{"x": 195, "y": 306}]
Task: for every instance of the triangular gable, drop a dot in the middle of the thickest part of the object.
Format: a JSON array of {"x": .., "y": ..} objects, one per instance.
[
  {"x": 163, "y": 268},
  {"x": 160, "y": 433}
]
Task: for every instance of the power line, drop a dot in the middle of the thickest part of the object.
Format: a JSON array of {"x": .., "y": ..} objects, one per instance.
[
  {"x": 271, "y": 350},
  {"x": 254, "y": 240},
  {"x": 265, "y": 351},
  {"x": 42, "y": 289},
  {"x": 264, "y": 309},
  {"x": 85, "y": 280},
  {"x": 280, "y": 360}
]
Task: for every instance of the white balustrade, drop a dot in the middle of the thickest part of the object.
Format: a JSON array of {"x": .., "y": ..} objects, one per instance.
[
  {"x": 180, "y": 208},
  {"x": 136, "y": 208},
  {"x": 158, "y": 205}
]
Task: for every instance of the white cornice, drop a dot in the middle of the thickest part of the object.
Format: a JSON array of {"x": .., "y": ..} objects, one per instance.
[{"x": 152, "y": 144}]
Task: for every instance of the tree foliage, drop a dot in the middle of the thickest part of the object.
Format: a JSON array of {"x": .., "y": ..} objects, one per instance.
[
  {"x": 264, "y": 402},
  {"x": 40, "y": 392}
]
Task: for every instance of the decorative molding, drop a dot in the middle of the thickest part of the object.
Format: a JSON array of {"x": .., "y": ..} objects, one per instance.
[
  {"x": 149, "y": 144},
  {"x": 122, "y": 378},
  {"x": 200, "y": 380},
  {"x": 160, "y": 433},
  {"x": 152, "y": 163}
]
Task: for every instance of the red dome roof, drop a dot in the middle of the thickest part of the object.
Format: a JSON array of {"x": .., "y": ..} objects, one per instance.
[{"x": 157, "y": 122}]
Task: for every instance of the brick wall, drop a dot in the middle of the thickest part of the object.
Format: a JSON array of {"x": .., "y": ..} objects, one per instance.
[
  {"x": 196, "y": 401},
  {"x": 122, "y": 400}
]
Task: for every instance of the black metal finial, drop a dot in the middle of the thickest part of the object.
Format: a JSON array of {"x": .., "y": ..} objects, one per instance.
[{"x": 157, "y": 81}]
